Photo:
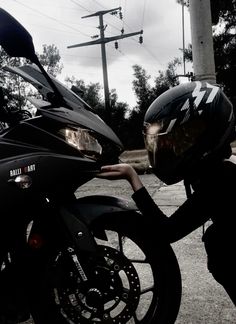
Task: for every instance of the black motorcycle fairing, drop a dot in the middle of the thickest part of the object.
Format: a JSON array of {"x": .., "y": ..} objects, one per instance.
[
  {"x": 74, "y": 217},
  {"x": 90, "y": 208}
]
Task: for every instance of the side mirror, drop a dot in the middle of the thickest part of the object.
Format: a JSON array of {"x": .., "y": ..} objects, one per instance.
[{"x": 14, "y": 38}]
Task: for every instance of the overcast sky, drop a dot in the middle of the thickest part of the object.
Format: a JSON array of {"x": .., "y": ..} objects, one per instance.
[{"x": 59, "y": 22}]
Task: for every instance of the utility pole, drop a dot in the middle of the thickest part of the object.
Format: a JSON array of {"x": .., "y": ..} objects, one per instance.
[
  {"x": 103, "y": 40},
  {"x": 202, "y": 40},
  {"x": 183, "y": 38}
]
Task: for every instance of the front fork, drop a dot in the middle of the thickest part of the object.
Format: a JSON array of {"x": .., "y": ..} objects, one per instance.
[
  {"x": 72, "y": 235},
  {"x": 77, "y": 264},
  {"x": 79, "y": 233}
]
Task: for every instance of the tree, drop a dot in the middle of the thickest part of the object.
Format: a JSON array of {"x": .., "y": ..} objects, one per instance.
[
  {"x": 223, "y": 11},
  {"x": 146, "y": 94},
  {"x": 12, "y": 84},
  {"x": 117, "y": 118},
  {"x": 15, "y": 88},
  {"x": 90, "y": 93},
  {"x": 50, "y": 59},
  {"x": 141, "y": 87},
  {"x": 224, "y": 18}
]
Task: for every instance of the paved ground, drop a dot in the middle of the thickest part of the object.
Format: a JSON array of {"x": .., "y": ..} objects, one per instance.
[{"x": 203, "y": 300}]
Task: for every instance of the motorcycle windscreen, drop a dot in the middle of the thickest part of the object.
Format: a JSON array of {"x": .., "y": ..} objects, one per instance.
[{"x": 33, "y": 75}]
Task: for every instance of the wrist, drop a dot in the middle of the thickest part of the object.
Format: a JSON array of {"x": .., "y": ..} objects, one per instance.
[{"x": 134, "y": 180}]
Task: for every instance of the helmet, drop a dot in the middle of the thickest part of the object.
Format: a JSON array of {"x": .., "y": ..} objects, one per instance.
[{"x": 186, "y": 126}]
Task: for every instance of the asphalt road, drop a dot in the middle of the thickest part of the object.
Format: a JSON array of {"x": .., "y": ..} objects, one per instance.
[{"x": 204, "y": 301}]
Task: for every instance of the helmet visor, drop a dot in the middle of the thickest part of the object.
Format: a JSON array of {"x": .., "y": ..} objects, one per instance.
[{"x": 166, "y": 148}]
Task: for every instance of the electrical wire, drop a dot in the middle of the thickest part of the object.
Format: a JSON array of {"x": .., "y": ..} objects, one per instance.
[
  {"x": 49, "y": 17},
  {"x": 78, "y": 4},
  {"x": 144, "y": 9},
  {"x": 99, "y": 4}
]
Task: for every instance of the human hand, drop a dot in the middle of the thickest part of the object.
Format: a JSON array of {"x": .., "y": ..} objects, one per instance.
[
  {"x": 116, "y": 171},
  {"x": 121, "y": 171}
]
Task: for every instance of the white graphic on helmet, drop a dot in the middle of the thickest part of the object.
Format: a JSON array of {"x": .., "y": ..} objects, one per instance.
[
  {"x": 200, "y": 94},
  {"x": 213, "y": 92},
  {"x": 187, "y": 113},
  {"x": 185, "y": 105},
  {"x": 171, "y": 124}
]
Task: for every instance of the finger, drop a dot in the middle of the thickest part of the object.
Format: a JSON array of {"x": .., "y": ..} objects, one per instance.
[
  {"x": 110, "y": 167},
  {"x": 108, "y": 175},
  {"x": 106, "y": 168}
]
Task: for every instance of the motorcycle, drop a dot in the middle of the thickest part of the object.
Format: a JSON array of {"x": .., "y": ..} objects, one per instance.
[{"x": 64, "y": 259}]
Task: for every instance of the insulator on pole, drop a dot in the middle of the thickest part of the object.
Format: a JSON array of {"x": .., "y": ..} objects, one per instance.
[
  {"x": 140, "y": 39},
  {"x": 116, "y": 45}
]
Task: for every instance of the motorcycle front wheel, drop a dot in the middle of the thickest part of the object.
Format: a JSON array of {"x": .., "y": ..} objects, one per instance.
[{"x": 134, "y": 279}]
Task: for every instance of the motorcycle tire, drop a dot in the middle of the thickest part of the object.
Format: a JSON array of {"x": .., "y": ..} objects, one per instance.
[{"x": 134, "y": 279}]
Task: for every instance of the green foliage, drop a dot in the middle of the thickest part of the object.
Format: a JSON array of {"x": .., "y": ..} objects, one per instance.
[
  {"x": 188, "y": 53},
  {"x": 90, "y": 93},
  {"x": 146, "y": 94},
  {"x": 14, "y": 87},
  {"x": 141, "y": 87},
  {"x": 223, "y": 10},
  {"x": 225, "y": 59},
  {"x": 50, "y": 59},
  {"x": 224, "y": 13}
]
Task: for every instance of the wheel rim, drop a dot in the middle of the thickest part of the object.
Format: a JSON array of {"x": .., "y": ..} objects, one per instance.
[{"x": 119, "y": 290}]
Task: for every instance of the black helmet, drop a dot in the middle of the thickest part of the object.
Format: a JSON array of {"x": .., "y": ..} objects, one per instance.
[{"x": 184, "y": 127}]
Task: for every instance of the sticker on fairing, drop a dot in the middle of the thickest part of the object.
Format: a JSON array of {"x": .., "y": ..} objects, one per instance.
[{"x": 22, "y": 170}]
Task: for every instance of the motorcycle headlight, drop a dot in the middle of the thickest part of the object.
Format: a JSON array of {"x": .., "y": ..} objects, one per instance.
[{"x": 84, "y": 141}]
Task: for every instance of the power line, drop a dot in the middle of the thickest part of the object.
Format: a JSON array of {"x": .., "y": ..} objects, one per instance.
[
  {"x": 78, "y": 4},
  {"x": 49, "y": 17},
  {"x": 144, "y": 8},
  {"x": 99, "y": 4}
]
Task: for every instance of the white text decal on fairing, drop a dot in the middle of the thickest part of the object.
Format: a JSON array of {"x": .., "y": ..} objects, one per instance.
[{"x": 25, "y": 169}]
